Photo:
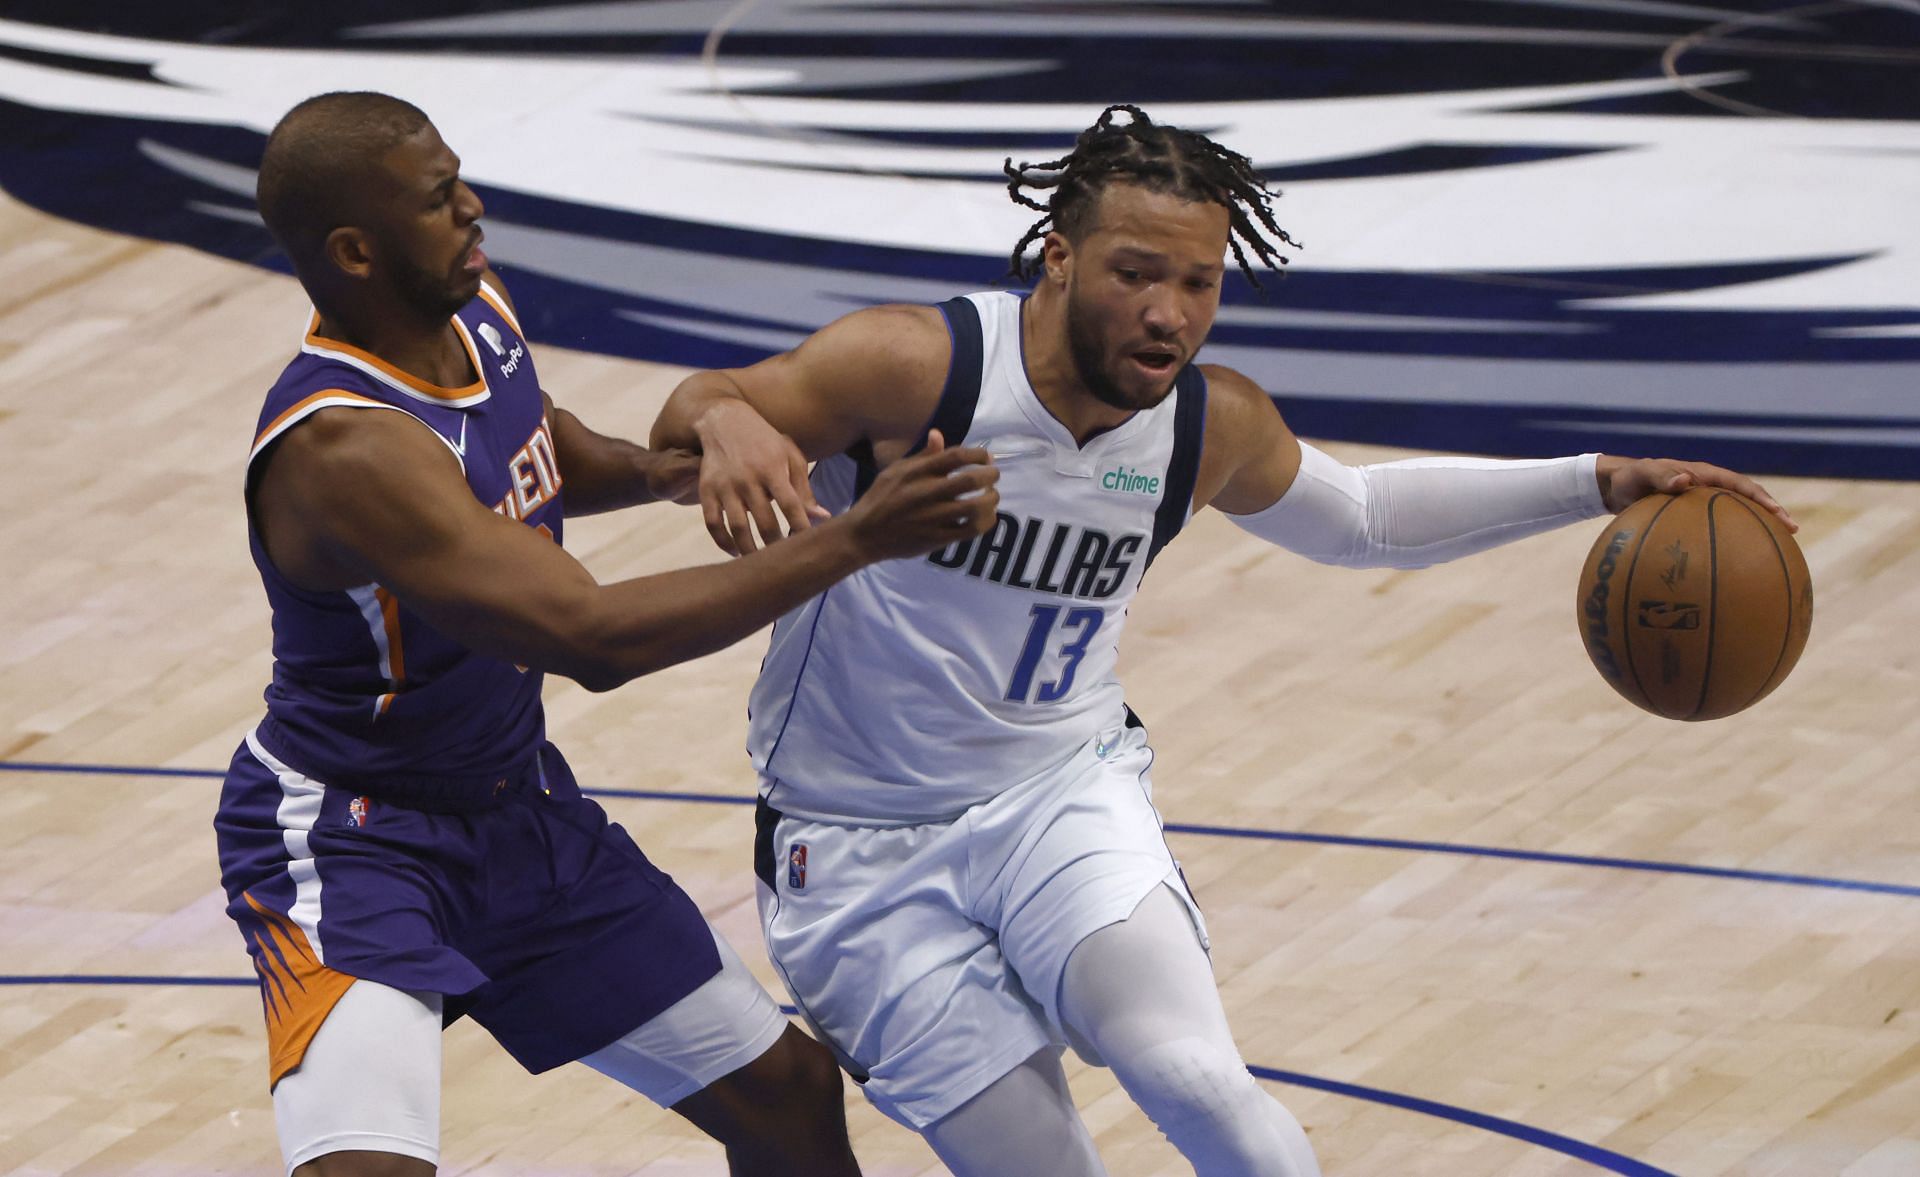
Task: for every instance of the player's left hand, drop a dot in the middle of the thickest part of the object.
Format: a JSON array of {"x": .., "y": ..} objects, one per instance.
[
  {"x": 673, "y": 476},
  {"x": 1625, "y": 481}
]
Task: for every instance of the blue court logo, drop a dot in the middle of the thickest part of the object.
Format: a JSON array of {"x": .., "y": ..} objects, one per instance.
[{"x": 1530, "y": 228}]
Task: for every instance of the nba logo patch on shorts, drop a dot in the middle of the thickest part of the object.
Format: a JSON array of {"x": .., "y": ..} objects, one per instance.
[
  {"x": 797, "y": 866},
  {"x": 357, "y": 810}
]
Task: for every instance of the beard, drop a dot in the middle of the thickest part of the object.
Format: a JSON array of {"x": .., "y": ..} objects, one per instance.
[
  {"x": 432, "y": 295},
  {"x": 1089, "y": 363}
]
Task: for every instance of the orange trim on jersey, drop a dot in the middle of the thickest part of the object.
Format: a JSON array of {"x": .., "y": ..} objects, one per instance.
[
  {"x": 390, "y": 616},
  {"x": 499, "y": 303},
  {"x": 300, "y": 991},
  {"x": 307, "y": 402},
  {"x": 436, "y": 391}
]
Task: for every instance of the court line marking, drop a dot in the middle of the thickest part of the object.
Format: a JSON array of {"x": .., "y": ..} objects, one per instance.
[
  {"x": 1462, "y": 849},
  {"x": 1580, "y": 1150}
]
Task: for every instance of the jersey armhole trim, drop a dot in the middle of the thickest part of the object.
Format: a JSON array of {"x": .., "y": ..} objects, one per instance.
[
  {"x": 959, "y": 395},
  {"x": 1183, "y": 466},
  {"x": 335, "y": 398},
  {"x": 498, "y": 302},
  {"x": 793, "y": 695}
]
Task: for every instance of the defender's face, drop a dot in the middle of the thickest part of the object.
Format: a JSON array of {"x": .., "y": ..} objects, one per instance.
[
  {"x": 1143, "y": 287},
  {"x": 429, "y": 235}
]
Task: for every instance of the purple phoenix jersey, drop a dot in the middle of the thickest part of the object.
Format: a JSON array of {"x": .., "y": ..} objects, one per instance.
[
  {"x": 365, "y": 692},
  {"x": 398, "y": 816}
]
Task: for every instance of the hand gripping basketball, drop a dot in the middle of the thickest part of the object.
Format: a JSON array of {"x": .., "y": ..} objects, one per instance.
[{"x": 1695, "y": 605}]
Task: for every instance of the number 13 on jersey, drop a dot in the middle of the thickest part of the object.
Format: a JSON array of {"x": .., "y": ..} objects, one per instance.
[{"x": 1083, "y": 623}]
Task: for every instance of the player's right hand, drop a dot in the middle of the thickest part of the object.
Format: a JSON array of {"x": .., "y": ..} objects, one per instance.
[
  {"x": 927, "y": 501},
  {"x": 752, "y": 477}
]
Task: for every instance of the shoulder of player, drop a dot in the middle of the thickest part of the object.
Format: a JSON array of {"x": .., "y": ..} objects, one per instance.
[
  {"x": 886, "y": 363},
  {"x": 893, "y": 335},
  {"x": 339, "y": 452},
  {"x": 1244, "y": 429},
  {"x": 1235, "y": 404}
]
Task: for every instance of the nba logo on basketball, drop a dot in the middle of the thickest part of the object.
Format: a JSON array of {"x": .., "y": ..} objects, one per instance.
[
  {"x": 797, "y": 866},
  {"x": 357, "y": 811}
]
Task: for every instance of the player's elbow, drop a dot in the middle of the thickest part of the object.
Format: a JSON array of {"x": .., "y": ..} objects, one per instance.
[
  {"x": 1376, "y": 554},
  {"x": 604, "y": 649},
  {"x": 598, "y": 678},
  {"x": 674, "y": 427}
]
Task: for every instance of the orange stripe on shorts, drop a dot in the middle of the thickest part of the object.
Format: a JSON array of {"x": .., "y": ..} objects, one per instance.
[{"x": 301, "y": 991}]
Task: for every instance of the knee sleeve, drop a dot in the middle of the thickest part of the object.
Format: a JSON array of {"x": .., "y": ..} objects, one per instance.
[
  {"x": 1207, "y": 1105},
  {"x": 370, "y": 1081}
]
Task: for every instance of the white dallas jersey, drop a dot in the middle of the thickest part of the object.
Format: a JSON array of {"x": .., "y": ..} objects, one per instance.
[{"x": 918, "y": 688}]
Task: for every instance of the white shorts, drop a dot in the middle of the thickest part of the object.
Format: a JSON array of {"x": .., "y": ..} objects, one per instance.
[
  {"x": 370, "y": 1080},
  {"x": 929, "y": 957}
]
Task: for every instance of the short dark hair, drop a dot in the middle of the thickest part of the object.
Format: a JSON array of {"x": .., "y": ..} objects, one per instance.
[
  {"x": 1160, "y": 158},
  {"x": 317, "y": 158}
]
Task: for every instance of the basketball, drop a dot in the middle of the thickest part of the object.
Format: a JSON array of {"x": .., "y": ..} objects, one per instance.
[{"x": 1696, "y": 605}]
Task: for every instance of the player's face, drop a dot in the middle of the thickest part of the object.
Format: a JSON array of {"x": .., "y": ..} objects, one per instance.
[
  {"x": 430, "y": 240},
  {"x": 1142, "y": 292}
]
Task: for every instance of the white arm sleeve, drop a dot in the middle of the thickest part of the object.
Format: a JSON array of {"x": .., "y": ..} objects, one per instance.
[{"x": 1422, "y": 511}]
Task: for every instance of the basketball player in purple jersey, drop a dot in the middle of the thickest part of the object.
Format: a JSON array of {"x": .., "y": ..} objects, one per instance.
[
  {"x": 399, "y": 843},
  {"x": 975, "y": 873}
]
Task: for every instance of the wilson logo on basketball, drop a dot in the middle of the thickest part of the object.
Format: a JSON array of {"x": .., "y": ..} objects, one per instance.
[{"x": 1596, "y": 605}]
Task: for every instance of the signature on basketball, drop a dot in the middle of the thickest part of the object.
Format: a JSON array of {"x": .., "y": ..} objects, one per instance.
[{"x": 1677, "y": 566}]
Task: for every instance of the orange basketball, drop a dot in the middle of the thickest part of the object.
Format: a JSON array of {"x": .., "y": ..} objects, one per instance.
[{"x": 1695, "y": 605}]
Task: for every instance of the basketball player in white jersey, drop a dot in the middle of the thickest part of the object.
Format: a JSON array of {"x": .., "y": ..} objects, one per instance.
[{"x": 962, "y": 868}]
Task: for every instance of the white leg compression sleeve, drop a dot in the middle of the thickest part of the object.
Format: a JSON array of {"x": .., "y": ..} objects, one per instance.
[
  {"x": 1422, "y": 511},
  {"x": 369, "y": 1082},
  {"x": 1142, "y": 993},
  {"x": 1024, "y": 1122}
]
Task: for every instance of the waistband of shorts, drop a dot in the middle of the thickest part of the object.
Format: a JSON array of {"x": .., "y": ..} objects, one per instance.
[
  {"x": 462, "y": 794},
  {"x": 536, "y": 770}
]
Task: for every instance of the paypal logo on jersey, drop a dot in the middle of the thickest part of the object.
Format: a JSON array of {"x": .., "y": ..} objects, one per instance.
[
  {"x": 509, "y": 360},
  {"x": 1128, "y": 481}
]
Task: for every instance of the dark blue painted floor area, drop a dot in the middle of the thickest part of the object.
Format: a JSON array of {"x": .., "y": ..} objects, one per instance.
[{"x": 1776, "y": 351}]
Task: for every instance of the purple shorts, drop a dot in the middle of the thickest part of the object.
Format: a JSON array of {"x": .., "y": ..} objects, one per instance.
[{"x": 531, "y": 912}]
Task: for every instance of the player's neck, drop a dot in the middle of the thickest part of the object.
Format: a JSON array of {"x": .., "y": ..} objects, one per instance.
[
  {"x": 1050, "y": 369},
  {"x": 428, "y": 349}
]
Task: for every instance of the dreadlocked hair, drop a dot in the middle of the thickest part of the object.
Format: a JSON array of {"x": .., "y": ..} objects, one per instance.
[{"x": 1160, "y": 158}]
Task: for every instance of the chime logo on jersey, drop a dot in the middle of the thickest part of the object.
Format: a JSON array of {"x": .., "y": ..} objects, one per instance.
[
  {"x": 797, "y": 866},
  {"x": 1130, "y": 481}
]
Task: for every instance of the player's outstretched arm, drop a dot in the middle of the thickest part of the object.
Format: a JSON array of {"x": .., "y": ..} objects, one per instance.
[
  {"x": 1414, "y": 512},
  {"x": 604, "y": 473},
  {"x": 874, "y": 376},
  {"x": 353, "y": 496}
]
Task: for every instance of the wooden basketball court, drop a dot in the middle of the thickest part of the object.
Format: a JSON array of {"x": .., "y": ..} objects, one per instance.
[{"x": 1480, "y": 915}]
